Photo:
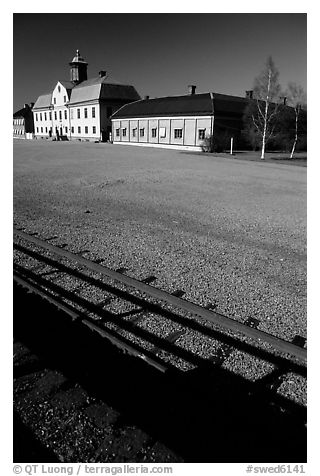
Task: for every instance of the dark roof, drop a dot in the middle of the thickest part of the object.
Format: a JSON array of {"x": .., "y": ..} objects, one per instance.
[
  {"x": 22, "y": 112},
  {"x": 102, "y": 88},
  {"x": 187, "y": 105},
  {"x": 223, "y": 103},
  {"x": 67, "y": 84}
]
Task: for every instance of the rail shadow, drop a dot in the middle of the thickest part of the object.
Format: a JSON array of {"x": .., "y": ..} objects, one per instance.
[
  {"x": 146, "y": 305},
  {"x": 205, "y": 415}
]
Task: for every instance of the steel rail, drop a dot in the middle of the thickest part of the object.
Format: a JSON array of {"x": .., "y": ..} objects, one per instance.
[
  {"x": 225, "y": 322},
  {"x": 77, "y": 316}
]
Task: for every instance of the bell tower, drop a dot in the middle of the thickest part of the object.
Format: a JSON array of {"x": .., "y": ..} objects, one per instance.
[{"x": 78, "y": 69}]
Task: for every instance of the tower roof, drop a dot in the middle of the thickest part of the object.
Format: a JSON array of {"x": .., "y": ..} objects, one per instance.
[{"x": 78, "y": 58}]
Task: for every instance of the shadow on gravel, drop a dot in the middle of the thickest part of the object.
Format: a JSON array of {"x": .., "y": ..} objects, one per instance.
[
  {"x": 26, "y": 448},
  {"x": 206, "y": 415}
]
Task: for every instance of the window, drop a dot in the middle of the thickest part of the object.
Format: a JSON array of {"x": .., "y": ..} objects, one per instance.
[
  {"x": 124, "y": 132},
  {"x": 60, "y": 115},
  {"x": 201, "y": 134},
  {"x": 50, "y": 116},
  {"x": 142, "y": 132},
  {"x": 78, "y": 113},
  {"x": 64, "y": 98},
  {"x": 154, "y": 132},
  {"x": 54, "y": 101},
  {"x": 37, "y": 129},
  {"x": 162, "y": 132},
  {"x": 65, "y": 114},
  {"x": 40, "y": 116},
  {"x": 94, "y": 129},
  {"x": 134, "y": 132},
  {"x": 93, "y": 110},
  {"x": 55, "y": 115},
  {"x": 85, "y": 113},
  {"x": 72, "y": 130},
  {"x": 117, "y": 132},
  {"x": 178, "y": 133},
  {"x": 46, "y": 130},
  {"x": 41, "y": 129},
  {"x": 86, "y": 130},
  {"x": 109, "y": 111},
  {"x": 66, "y": 130},
  {"x": 71, "y": 113},
  {"x": 79, "y": 129},
  {"x": 45, "y": 116},
  {"x": 59, "y": 89}
]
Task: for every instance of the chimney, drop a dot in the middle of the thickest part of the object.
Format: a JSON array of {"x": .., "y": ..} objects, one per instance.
[
  {"x": 102, "y": 74},
  {"x": 146, "y": 97},
  {"x": 31, "y": 105},
  {"x": 26, "y": 106},
  {"x": 191, "y": 89},
  {"x": 249, "y": 94}
]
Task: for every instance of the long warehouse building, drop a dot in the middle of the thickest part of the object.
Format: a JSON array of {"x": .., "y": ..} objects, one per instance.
[{"x": 179, "y": 122}]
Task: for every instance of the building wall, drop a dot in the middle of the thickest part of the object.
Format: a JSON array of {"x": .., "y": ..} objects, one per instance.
[
  {"x": 19, "y": 127},
  {"x": 42, "y": 122},
  {"x": 65, "y": 120},
  {"x": 176, "y": 132},
  {"x": 87, "y": 126}
]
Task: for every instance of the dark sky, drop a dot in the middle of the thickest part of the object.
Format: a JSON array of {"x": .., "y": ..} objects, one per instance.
[{"x": 160, "y": 54}]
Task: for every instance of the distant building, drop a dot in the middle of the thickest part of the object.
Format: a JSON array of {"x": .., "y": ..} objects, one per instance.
[
  {"x": 80, "y": 108},
  {"x": 23, "y": 127},
  {"x": 179, "y": 122}
]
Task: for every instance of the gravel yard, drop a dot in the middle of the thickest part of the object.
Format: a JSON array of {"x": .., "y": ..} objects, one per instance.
[{"x": 232, "y": 233}]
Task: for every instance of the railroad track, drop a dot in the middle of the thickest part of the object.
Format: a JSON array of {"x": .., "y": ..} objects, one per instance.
[{"x": 89, "y": 292}]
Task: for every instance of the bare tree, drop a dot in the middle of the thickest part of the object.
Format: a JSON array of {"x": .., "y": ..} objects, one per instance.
[
  {"x": 297, "y": 99},
  {"x": 266, "y": 93}
]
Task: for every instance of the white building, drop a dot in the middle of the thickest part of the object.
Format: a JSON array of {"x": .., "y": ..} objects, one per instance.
[{"x": 80, "y": 108}]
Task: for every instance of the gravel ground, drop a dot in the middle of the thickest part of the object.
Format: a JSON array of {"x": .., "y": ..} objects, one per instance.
[{"x": 232, "y": 233}]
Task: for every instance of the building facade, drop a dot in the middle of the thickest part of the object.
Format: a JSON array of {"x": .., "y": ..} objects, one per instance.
[
  {"x": 23, "y": 126},
  {"x": 80, "y": 109},
  {"x": 179, "y": 122}
]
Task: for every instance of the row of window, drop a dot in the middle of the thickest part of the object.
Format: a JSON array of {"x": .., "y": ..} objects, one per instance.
[
  {"x": 162, "y": 133},
  {"x": 86, "y": 130},
  {"x": 17, "y": 122},
  {"x": 93, "y": 114},
  {"x": 85, "y": 113},
  {"x": 78, "y": 114},
  {"x": 18, "y": 131},
  {"x": 49, "y": 116}
]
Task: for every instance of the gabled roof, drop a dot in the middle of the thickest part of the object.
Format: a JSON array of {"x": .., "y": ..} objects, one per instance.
[
  {"x": 67, "y": 84},
  {"x": 187, "y": 105},
  {"x": 102, "y": 88},
  {"x": 43, "y": 101}
]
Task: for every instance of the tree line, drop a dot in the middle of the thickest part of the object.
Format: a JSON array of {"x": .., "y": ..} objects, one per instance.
[{"x": 274, "y": 119}]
